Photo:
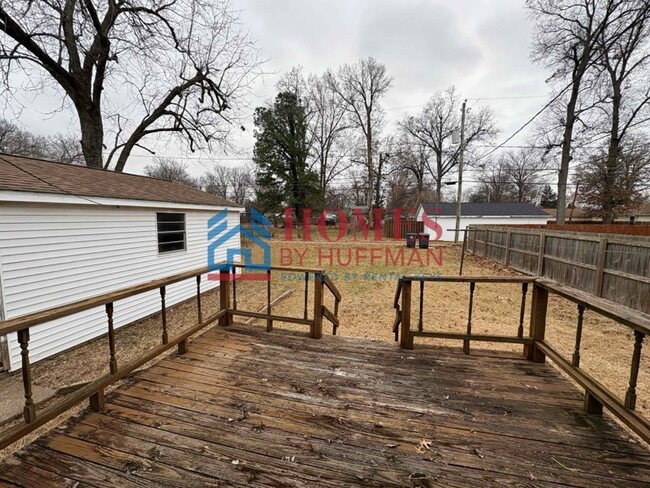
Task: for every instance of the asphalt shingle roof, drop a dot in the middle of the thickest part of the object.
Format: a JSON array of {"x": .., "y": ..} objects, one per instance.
[
  {"x": 18, "y": 173},
  {"x": 495, "y": 209}
]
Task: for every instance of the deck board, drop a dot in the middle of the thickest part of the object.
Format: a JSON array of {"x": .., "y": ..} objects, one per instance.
[{"x": 248, "y": 408}]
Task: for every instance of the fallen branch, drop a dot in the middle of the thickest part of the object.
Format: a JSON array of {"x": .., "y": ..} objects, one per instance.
[{"x": 264, "y": 309}]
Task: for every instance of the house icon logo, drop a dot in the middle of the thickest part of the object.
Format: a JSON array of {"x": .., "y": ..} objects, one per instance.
[{"x": 219, "y": 235}]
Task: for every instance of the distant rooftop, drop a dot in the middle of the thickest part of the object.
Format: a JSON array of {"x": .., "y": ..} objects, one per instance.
[{"x": 22, "y": 174}]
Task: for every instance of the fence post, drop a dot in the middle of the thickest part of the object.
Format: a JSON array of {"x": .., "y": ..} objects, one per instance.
[
  {"x": 506, "y": 258},
  {"x": 540, "y": 259},
  {"x": 317, "y": 327},
  {"x": 537, "y": 324},
  {"x": 224, "y": 296},
  {"x": 406, "y": 341},
  {"x": 600, "y": 267}
]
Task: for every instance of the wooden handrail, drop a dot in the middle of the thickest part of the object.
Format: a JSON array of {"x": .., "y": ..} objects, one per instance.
[
  {"x": 330, "y": 284},
  {"x": 398, "y": 292},
  {"x": 36, "y": 318},
  {"x": 619, "y": 313},
  {"x": 469, "y": 279}
]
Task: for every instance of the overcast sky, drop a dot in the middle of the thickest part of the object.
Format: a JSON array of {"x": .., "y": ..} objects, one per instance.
[{"x": 480, "y": 46}]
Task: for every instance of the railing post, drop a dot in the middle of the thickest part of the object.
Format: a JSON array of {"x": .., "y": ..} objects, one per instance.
[
  {"x": 576, "y": 353},
  {"x": 630, "y": 395},
  {"x": 165, "y": 337},
  {"x": 537, "y": 332},
  {"x": 592, "y": 405},
  {"x": 234, "y": 288},
  {"x": 306, "y": 293},
  {"x": 336, "y": 314},
  {"x": 269, "y": 322},
  {"x": 198, "y": 298},
  {"x": 420, "y": 316},
  {"x": 317, "y": 324},
  {"x": 522, "y": 309},
  {"x": 224, "y": 296},
  {"x": 472, "y": 286},
  {"x": 112, "y": 362},
  {"x": 406, "y": 341},
  {"x": 97, "y": 401},
  {"x": 29, "y": 410}
]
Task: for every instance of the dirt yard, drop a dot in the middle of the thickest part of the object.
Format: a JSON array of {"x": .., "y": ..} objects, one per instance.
[{"x": 367, "y": 311}]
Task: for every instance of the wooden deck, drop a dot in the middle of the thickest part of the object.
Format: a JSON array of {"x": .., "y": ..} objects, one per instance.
[{"x": 249, "y": 408}]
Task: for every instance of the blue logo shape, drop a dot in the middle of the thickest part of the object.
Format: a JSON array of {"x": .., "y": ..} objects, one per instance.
[{"x": 219, "y": 235}]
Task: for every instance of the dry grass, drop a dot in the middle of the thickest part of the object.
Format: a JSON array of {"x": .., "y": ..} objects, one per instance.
[{"x": 367, "y": 312}]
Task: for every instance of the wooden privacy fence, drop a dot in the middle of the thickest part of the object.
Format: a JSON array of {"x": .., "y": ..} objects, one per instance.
[
  {"x": 406, "y": 226},
  {"x": 536, "y": 346},
  {"x": 613, "y": 267},
  {"x": 94, "y": 390}
]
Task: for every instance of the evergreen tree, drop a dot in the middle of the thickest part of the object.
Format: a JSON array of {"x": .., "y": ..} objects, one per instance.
[
  {"x": 281, "y": 155},
  {"x": 548, "y": 198}
]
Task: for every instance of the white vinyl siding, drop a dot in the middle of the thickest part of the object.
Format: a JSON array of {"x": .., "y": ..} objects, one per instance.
[{"x": 51, "y": 255}]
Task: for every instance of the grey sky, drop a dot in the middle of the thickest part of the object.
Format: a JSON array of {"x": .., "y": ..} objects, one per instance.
[{"x": 480, "y": 46}]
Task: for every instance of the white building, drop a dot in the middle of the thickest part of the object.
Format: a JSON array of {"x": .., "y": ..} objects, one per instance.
[
  {"x": 501, "y": 213},
  {"x": 70, "y": 232}
]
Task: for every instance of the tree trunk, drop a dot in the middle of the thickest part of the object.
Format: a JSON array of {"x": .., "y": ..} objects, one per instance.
[
  {"x": 612, "y": 157},
  {"x": 92, "y": 135},
  {"x": 563, "y": 175}
]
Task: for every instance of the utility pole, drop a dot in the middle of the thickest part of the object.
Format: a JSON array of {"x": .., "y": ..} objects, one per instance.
[{"x": 461, "y": 155}]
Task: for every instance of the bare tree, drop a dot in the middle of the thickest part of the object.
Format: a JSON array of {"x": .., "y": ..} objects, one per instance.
[
  {"x": 216, "y": 181},
  {"x": 361, "y": 87},
  {"x": 624, "y": 48},
  {"x": 60, "y": 147},
  {"x": 494, "y": 184},
  {"x": 171, "y": 170},
  {"x": 434, "y": 126},
  {"x": 565, "y": 40},
  {"x": 182, "y": 64},
  {"x": 522, "y": 169},
  {"x": 630, "y": 183},
  {"x": 328, "y": 125}
]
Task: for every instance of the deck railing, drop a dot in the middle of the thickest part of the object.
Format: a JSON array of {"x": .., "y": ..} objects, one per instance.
[
  {"x": 536, "y": 346},
  {"x": 94, "y": 390},
  {"x": 229, "y": 279}
]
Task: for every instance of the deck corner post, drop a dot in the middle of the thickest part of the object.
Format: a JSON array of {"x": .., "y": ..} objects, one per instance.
[
  {"x": 317, "y": 324},
  {"x": 182, "y": 347},
  {"x": 406, "y": 340},
  {"x": 537, "y": 331},
  {"x": 97, "y": 401},
  {"x": 224, "y": 296}
]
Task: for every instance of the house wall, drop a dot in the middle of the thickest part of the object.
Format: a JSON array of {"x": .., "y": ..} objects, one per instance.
[
  {"x": 51, "y": 255},
  {"x": 448, "y": 223}
]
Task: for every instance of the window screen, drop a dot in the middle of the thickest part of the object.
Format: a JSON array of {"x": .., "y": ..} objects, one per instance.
[{"x": 171, "y": 232}]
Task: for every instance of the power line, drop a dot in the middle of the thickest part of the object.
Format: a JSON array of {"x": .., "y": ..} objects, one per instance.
[{"x": 530, "y": 121}]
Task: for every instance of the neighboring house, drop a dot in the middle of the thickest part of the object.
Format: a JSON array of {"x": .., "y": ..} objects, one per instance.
[
  {"x": 579, "y": 216},
  {"x": 572, "y": 216},
  {"x": 640, "y": 215},
  {"x": 444, "y": 214},
  {"x": 71, "y": 232}
]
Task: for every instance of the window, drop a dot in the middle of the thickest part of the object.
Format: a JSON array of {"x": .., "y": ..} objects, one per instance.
[{"x": 171, "y": 232}]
